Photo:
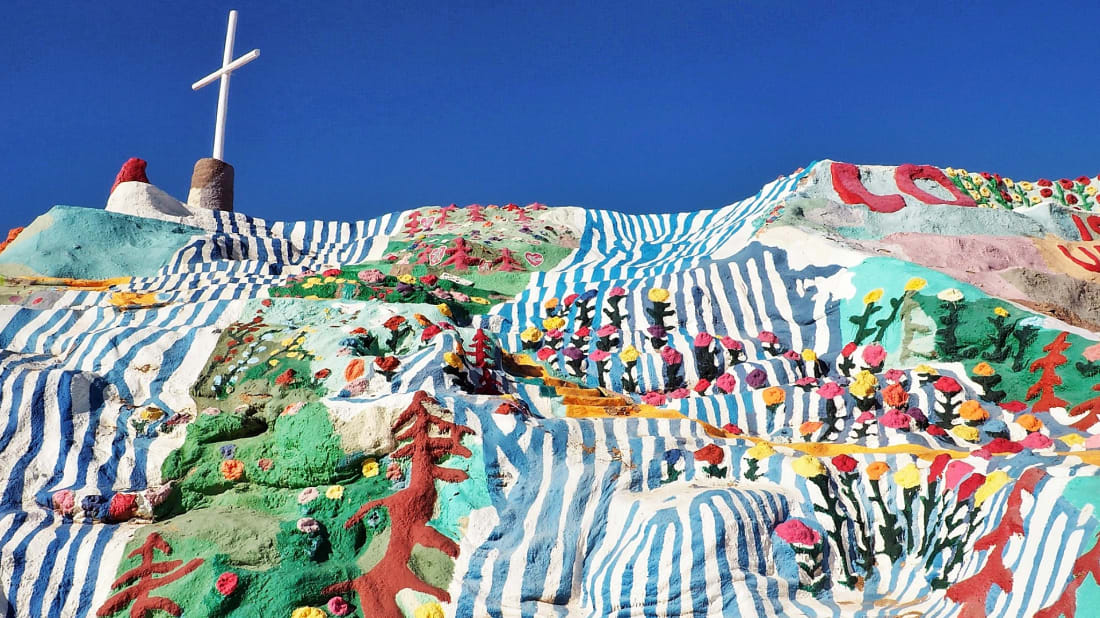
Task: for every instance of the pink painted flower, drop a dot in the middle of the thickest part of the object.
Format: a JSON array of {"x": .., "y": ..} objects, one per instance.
[
  {"x": 726, "y": 382},
  {"x": 1092, "y": 353},
  {"x": 767, "y": 336},
  {"x": 64, "y": 501},
  {"x": 265, "y": 464},
  {"x": 394, "y": 472},
  {"x": 156, "y": 496},
  {"x": 874, "y": 355},
  {"x": 337, "y": 606},
  {"x": 671, "y": 356},
  {"x": 936, "y": 430},
  {"x": 545, "y": 354},
  {"x": 795, "y": 532},
  {"x": 654, "y": 398},
  {"x": 830, "y": 390},
  {"x": 894, "y": 376},
  {"x": 895, "y": 419},
  {"x": 371, "y": 275},
  {"x": 1036, "y": 440},
  {"x": 616, "y": 291},
  {"x": 607, "y": 330},
  {"x": 555, "y": 333},
  {"x": 703, "y": 340},
  {"x": 226, "y": 583},
  {"x": 793, "y": 356},
  {"x": 732, "y": 344},
  {"x": 866, "y": 417},
  {"x": 583, "y": 332},
  {"x": 307, "y": 495},
  {"x": 599, "y": 355},
  {"x": 956, "y": 471},
  {"x": 680, "y": 393},
  {"x": 308, "y": 525},
  {"x": 460, "y": 296}
]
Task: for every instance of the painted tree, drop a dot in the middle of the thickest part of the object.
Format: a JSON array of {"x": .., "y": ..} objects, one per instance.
[
  {"x": 1090, "y": 409},
  {"x": 427, "y": 438},
  {"x": 460, "y": 257},
  {"x": 507, "y": 262},
  {"x": 1048, "y": 379},
  {"x": 138, "y": 582}
]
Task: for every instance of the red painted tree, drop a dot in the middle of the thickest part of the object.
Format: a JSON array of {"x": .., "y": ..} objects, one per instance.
[
  {"x": 507, "y": 262},
  {"x": 482, "y": 347},
  {"x": 972, "y": 592},
  {"x": 428, "y": 438},
  {"x": 1085, "y": 565},
  {"x": 1048, "y": 379},
  {"x": 144, "y": 604},
  {"x": 460, "y": 255},
  {"x": 1091, "y": 410}
]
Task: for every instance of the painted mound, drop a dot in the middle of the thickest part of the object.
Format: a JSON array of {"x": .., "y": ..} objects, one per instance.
[{"x": 866, "y": 390}]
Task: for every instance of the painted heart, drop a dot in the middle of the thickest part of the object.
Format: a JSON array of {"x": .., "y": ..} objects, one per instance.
[
  {"x": 436, "y": 256},
  {"x": 534, "y": 259}
]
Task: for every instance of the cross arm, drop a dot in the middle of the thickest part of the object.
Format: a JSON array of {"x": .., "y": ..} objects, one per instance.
[{"x": 232, "y": 66}]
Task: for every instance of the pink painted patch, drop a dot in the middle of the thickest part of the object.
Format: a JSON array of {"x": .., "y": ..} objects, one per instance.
[
  {"x": 797, "y": 533},
  {"x": 1036, "y": 440},
  {"x": 534, "y": 259},
  {"x": 1092, "y": 353},
  {"x": 436, "y": 256}
]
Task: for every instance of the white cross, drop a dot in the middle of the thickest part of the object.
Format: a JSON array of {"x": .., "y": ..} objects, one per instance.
[{"x": 223, "y": 94}]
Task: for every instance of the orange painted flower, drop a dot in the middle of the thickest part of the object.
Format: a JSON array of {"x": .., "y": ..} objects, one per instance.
[
  {"x": 877, "y": 469},
  {"x": 971, "y": 410},
  {"x": 984, "y": 369},
  {"x": 773, "y": 396},
  {"x": 809, "y": 427},
  {"x": 895, "y": 396},
  {"x": 1029, "y": 422},
  {"x": 232, "y": 469},
  {"x": 354, "y": 369}
]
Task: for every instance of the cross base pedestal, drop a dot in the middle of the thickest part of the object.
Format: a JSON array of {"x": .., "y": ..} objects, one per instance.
[{"x": 211, "y": 185}]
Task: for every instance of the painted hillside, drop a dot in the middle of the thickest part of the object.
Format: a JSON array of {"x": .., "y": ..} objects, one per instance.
[{"x": 865, "y": 390}]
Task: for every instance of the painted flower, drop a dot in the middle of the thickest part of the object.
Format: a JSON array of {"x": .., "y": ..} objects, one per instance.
[
  {"x": 371, "y": 275},
  {"x": 386, "y": 364},
  {"x": 711, "y": 453},
  {"x": 573, "y": 353},
  {"x": 848, "y": 349},
  {"x": 321, "y": 374},
  {"x": 915, "y": 284},
  {"x": 983, "y": 369},
  {"x": 285, "y": 378},
  {"x": 951, "y": 295},
  {"x": 657, "y": 331},
  {"x": 732, "y": 344},
  {"x": 726, "y": 382},
  {"x": 607, "y": 330},
  {"x": 658, "y": 295},
  {"x": 701, "y": 386},
  {"x": 122, "y": 506},
  {"x": 809, "y": 427},
  {"x": 1038, "y": 441},
  {"x": 335, "y": 492},
  {"x": 394, "y": 471},
  {"x": 569, "y": 300},
  {"x": 616, "y": 292},
  {"x": 791, "y": 355},
  {"x": 453, "y": 360},
  {"x": 1029, "y": 422},
  {"x": 844, "y": 463},
  {"x": 680, "y": 393},
  {"x": 947, "y": 385},
  {"x": 773, "y": 396},
  {"x": 654, "y": 398},
  {"x": 394, "y": 322},
  {"x": 629, "y": 354},
  {"x": 756, "y": 378},
  {"x": 671, "y": 356},
  {"x": 895, "y": 396},
  {"x": 972, "y": 411},
  {"x": 429, "y": 332},
  {"x": 873, "y": 296},
  {"x": 553, "y": 323},
  {"x": 877, "y": 469},
  {"x": 226, "y": 583},
  {"x": 809, "y": 355},
  {"x": 431, "y": 609},
  {"x": 864, "y": 385},
  {"x": 895, "y": 419},
  {"x": 232, "y": 469},
  {"x": 544, "y": 354},
  {"x": 264, "y": 464},
  {"x": 600, "y": 355},
  {"x": 551, "y": 304},
  {"x": 337, "y": 606},
  {"x": 760, "y": 451},
  {"x": 797, "y": 533},
  {"x": 874, "y": 355},
  {"x": 766, "y": 336},
  {"x": 308, "y": 612},
  {"x": 370, "y": 468},
  {"x": 703, "y": 340},
  {"x": 308, "y": 525},
  {"x": 964, "y": 432},
  {"x": 407, "y": 279},
  {"x": 808, "y": 466},
  {"x": 444, "y": 310},
  {"x": 829, "y": 390},
  {"x": 64, "y": 501}
]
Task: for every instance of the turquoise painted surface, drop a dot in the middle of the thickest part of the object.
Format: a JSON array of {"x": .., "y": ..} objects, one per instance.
[{"x": 89, "y": 243}]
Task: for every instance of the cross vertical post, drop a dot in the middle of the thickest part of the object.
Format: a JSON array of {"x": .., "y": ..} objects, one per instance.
[{"x": 228, "y": 66}]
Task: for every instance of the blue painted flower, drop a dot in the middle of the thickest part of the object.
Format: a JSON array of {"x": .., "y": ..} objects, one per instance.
[
  {"x": 228, "y": 450},
  {"x": 95, "y": 506}
]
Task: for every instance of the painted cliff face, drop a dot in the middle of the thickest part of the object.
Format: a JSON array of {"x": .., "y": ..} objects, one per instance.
[{"x": 864, "y": 390}]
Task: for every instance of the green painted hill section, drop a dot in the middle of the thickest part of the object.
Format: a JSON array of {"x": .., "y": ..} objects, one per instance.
[{"x": 89, "y": 243}]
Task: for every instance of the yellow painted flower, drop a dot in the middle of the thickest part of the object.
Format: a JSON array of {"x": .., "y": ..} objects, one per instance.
[
  {"x": 330, "y": 280},
  {"x": 761, "y": 451},
  {"x": 370, "y": 468},
  {"x": 313, "y": 280},
  {"x": 531, "y": 334},
  {"x": 1008, "y": 182},
  {"x": 1035, "y": 199},
  {"x": 444, "y": 309},
  {"x": 976, "y": 177},
  {"x": 985, "y": 192},
  {"x": 151, "y": 414},
  {"x": 907, "y": 477},
  {"x": 335, "y": 492},
  {"x": 1026, "y": 186},
  {"x": 292, "y": 355},
  {"x": 273, "y": 362},
  {"x": 286, "y": 343},
  {"x": 984, "y": 369},
  {"x": 915, "y": 284},
  {"x": 308, "y": 612},
  {"x": 553, "y": 323},
  {"x": 809, "y": 355},
  {"x": 973, "y": 411},
  {"x": 974, "y": 194},
  {"x": 926, "y": 369},
  {"x": 1029, "y": 422},
  {"x": 808, "y": 466},
  {"x": 430, "y": 609},
  {"x": 479, "y": 300},
  {"x": 1072, "y": 439},
  {"x": 877, "y": 469},
  {"x": 994, "y": 481},
  {"x": 773, "y": 396},
  {"x": 452, "y": 359},
  {"x": 964, "y": 432},
  {"x": 306, "y": 286},
  {"x": 950, "y": 171},
  {"x": 951, "y": 295},
  {"x": 407, "y": 279},
  {"x": 658, "y": 295},
  {"x": 873, "y": 296},
  {"x": 864, "y": 385},
  {"x": 629, "y": 354},
  {"x": 1091, "y": 190},
  {"x": 1016, "y": 197},
  {"x": 962, "y": 172},
  {"x": 1000, "y": 311}
]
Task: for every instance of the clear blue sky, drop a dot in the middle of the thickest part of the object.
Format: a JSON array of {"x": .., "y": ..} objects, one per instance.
[{"x": 359, "y": 108}]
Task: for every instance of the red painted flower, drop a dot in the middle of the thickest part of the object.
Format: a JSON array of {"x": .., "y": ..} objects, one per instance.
[
  {"x": 1071, "y": 198},
  {"x": 266, "y": 302},
  {"x": 1014, "y": 406},
  {"x": 1084, "y": 180},
  {"x": 582, "y": 332},
  {"x": 936, "y": 430},
  {"x": 844, "y": 463},
  {"x": 322, "y": 373},
  {"x": 701, "y": 386},
  {"x": 947, "y": 385},
  {"x": 1043, "y": 182},
  {"x": 568, "y": 300},
  {"x": 970, "y": 485},
  {"x": 386, "y": 363},
  {"x": 987, "y": 175},
  {"x": 849, "y": 349},
  {"x": 285, "y": 378},
  {"x": 711, "y": 454},
  {"x": 331, "y": 272},
  {"x": 429, "y": 332},
  {"x": 358, "y": 330},
  {"x": 265, "y": 464},
  {"x": 394, "y": 323},
  {"x": 227, "y": 583},
  {"x": 1066, "y": 183},
  {"x": 1001, "y": 445},
  {"x": 122, "y": 506},
  {"x": 938, "y": 464},
  {"x": 731, "y": 428},
  {"x": 1046, "y": 192},
  {"x": 429, "y": 280},
  {"x": 544, "y": 354}
]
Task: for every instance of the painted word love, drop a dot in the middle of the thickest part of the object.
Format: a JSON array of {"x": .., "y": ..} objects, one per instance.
[{"x": 849, "y": 186}]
